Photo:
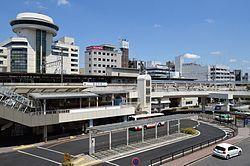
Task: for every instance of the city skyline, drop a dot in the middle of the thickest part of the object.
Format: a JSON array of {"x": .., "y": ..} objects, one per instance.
[{"x": 169, "y": 29}]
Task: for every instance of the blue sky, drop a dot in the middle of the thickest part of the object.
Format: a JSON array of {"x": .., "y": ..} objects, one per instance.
[{"x": 216, "y": 30}]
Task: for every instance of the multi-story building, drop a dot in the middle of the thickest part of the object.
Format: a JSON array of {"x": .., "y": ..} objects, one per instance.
[
  {"x": 3, "y": 59},
  {"x": 195, "y": 71},
  {"x": 64, "y": 46},
  {"x": 221, "y": 73},
  {"x": 237, "y": 74},
  {"x": 97, "y": 58}
]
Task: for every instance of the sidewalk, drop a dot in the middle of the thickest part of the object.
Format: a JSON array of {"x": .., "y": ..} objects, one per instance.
[{"x": 243, "y": 133}]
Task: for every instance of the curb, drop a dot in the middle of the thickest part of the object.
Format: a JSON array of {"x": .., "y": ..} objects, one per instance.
[{"x": 22, "y": 147}]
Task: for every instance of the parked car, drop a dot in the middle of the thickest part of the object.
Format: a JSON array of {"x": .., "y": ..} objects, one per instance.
[
  {"x": 224, "y": 118},
  {"x": 226, "y": 150}
]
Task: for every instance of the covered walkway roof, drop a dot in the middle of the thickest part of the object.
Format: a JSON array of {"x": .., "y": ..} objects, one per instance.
[
  {"x": 62, "y": 95},
  {"x": 130, "y": 124}
]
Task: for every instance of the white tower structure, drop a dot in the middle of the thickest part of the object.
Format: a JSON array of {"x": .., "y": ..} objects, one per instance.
[
  {"x": 144, "y": 92},
  {"x": 39, "y": 31},
  {"x": 178, "y": 64}
]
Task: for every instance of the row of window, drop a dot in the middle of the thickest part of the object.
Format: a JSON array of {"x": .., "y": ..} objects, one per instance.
[
  {"x": 98, "y": 71},
  {"x": 99, "y": 65},
  {"x": 103, "y": 59},
  {"x": 75, "y": 70},
  {"x": 103, "y": 53}
]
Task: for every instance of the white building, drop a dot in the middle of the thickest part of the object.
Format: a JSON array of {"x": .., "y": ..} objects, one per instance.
[
  {"x": 97, "y": 58},
  {"x": 195, "y": 71},
  {"x": 221, "y": 73},
  {"x": 70, "y": 52},
  {"x": 207, "y": 73},
  {"x": 3, "y": 59}
]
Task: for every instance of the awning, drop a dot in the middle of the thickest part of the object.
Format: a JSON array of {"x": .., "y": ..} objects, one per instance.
[{"x": 60, "y": 95}]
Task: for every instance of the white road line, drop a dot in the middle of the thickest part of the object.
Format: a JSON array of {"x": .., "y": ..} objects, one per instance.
[
  {"x": 111, "y": 163},
  {"x": 51, "y": 150},
  {"x": 43, "y": 158}
]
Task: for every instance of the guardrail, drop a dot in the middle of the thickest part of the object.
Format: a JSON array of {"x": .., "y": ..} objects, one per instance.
[{"x": 182, "y": 152}]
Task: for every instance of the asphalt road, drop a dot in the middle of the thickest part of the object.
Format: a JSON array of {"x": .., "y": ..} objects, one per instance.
[
  {"x": 53, "y": 154},
  {"x": 207, "y": 133},
  {"x": 242, "y": 160}
]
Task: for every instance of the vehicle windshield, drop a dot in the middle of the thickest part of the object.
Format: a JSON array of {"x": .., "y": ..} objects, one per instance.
[{"x": 220, "y": 148}]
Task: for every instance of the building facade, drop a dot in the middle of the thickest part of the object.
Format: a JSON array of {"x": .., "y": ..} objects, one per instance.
[
  {"x": 125, "y": 53},
  {"x": 3, "y": 59},
  {"x": 221, "y": 73},
  {"x": 66, "y": 47},
  {"x": 195, "y": 71},
  {"x": 98, "y": 58}
]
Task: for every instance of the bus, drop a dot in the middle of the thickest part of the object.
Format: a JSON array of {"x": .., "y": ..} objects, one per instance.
[{"x": 146, "y": 116}]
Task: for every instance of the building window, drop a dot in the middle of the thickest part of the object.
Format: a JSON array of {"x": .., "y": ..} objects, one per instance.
[
  {"x": 95, "y": 59},
  {"x": 103, "y": 71},
  {"x": 94, "y": 52},
  {"x": 189, "y": 102},
  {"x": 99, "y": 65},
  {"x": 89, "y": 59},
  {"x": 103, "y": 53},
  {"x": 112, "y": 54},
  {"x": 147, "y": 91},
  {"x": 99, "y": 59},
  {"x": 147, "y": 99},
  {"x": 147, "y": 83},
  {"x": 115, "y": 60},
  {"x": 74, "y": 65},
  {"x": 99, "y": 71},
  {"x": 111, "y": 65},
  {"x": 1, "y": 62},
  {"x": 89, "y": 65},
  {"x": 89, "y": 71},
  {"x": 107, "y": 53},
  {"x": 19, "y": 60},
  {"x": 95, "y": 65},
  {"x": 75, "y": 70},
  {"x": 74, "y": 55},
  {"x": 107, "y": 65},
  {"x": 103, "y": 59},
  {"x": 103, "y": 66},
  {"x": 74, "y": 60},
  {"x": 111, "y": 60},
  {"x": 94, "y": 71},
  {"x": 89, "y": 53},
  {"x": 99, "y": 53},
  {"x": 108, "y": 60}
]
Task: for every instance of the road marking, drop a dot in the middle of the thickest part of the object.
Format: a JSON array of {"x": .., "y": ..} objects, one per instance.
[
  {"x": 51, "y": 150},
  {"x": 43, "y": 158},
  {"x": 111, "y": 163}
]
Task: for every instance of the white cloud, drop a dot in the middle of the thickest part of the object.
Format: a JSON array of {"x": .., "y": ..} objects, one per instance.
[
  {"x": 245, "y": 61},
  {"x": 191, "y": 56},
  {"x": 209, "y": 21},
  {"x": 215, "y": 53},
  {"x": 62, "y": 2},
  {"x": 35, "y": 3},
  {"x": 157, "y": 26},
  {"x": 232, "y": 60},
  {"x": 248, "y": 68}
]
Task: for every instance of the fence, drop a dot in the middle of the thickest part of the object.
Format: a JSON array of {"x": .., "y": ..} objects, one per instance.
[{"x": 182, "y": 152}]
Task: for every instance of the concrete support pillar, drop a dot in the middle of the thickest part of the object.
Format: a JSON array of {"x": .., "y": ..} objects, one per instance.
[
  {"x": 179, "y": 126},
  {"x": 126, "y": 100},
  {"x": 110, "y": 140},
  {"x": 156, "y": 131},
  {"x": 113, "y": 99},
  {"x": 142, "y": 134},
  {"x": 227, "y": 105},
  {"x": 91, "y": 147},
  {"x": 168, "y": 127},
  {"x": 203, "y": 104},
  {"x": 91, "y": 123},
  {"x": 44, "y": 106},
  {"x": 125, "y": 118},
  {"x": 89, "y": 101},
  {"x": 97, "y": 101},
  {"x": 127, "y": 136},
  {"x": 45, "y": 133}
]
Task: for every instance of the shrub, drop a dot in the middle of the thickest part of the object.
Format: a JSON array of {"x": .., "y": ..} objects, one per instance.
[{"x": 190, "y": 130}]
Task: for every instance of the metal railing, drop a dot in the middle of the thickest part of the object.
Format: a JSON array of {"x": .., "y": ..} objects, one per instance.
[{"x": 182, "y": 152}]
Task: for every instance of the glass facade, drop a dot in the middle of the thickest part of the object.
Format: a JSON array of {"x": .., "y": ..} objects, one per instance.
[
  {"x": 40, "y": 51},
  {"x": 19, "y": 60}
]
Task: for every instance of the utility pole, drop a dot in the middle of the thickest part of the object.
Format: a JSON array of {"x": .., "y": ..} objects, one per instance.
[{"x": 62, "y": 66}]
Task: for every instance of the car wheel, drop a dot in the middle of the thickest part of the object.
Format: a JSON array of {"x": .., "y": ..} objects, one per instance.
[
  {"x": 227, "y": 157},
  {"x": 239, "y": 153}
]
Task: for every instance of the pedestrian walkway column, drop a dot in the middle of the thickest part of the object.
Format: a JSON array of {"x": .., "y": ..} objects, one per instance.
[
  {"x": 45, "y": 133},
  {"x": 127, "y": 136},
  {"x": 97, "y": 101},
  {"x": 142, "y": 134},
  {"x": 227, "y": 105},
  {"x": 91, "y": 123},
  {"x": 44, "y": 106},
  {"x": 91, "y": 144},
  {"x": 168, "y": 127},
  {"x": 203, "y": 104},
  {"x": 113, "y": 99},
  {"x": 110, "y": 140},
  {"x": 179, "y": 125},
  {"x": 156, "y": 128}
]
